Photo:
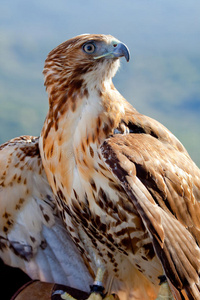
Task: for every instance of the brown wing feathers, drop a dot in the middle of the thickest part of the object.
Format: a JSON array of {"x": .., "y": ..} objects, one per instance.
[{"x": 155, "y": 176}]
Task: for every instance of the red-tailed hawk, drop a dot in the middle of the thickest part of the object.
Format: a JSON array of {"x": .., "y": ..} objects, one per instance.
[{"x": 126, "y": 189}]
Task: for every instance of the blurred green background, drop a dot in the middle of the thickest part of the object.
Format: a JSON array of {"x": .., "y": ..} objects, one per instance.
[{"x": 162, "y": 79}]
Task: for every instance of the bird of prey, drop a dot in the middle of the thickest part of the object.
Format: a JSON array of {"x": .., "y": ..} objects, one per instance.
[{"x": 116, "y": 182}]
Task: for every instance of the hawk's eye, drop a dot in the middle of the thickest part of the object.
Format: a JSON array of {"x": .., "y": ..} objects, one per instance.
[{"x": 89, "y": 48}]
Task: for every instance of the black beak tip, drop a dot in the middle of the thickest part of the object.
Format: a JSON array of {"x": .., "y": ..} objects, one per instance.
[{"x": 127, "y": 57}]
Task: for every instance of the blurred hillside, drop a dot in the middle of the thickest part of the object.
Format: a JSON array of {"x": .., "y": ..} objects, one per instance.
[{"x": 162, "y": 79}]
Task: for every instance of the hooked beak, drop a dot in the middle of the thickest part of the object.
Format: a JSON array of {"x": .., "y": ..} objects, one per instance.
[
  {"x": 118, "y": 50},
  {"x": 121, "y": 50}
]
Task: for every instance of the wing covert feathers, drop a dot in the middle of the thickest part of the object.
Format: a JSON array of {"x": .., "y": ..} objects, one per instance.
[
  {"x": 165, "y": 191},
  {"x": 26, "y": 199},
  {"x": 32, "y": 235}
]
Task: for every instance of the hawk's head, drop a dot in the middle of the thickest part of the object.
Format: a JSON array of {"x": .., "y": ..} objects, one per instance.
[{"x": 85, "y": 59}]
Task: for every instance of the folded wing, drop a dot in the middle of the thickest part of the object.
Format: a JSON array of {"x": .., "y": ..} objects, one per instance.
[
  {"x": 32, "y": 235},
  {"x": 163, "y": 184}
]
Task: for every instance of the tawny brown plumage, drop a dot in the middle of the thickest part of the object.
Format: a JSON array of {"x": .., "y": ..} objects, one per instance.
[{"x": 127, "y": 190}]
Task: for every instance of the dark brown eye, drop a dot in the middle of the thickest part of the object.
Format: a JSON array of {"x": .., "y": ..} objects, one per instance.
[{"x": 89, "y": 48}]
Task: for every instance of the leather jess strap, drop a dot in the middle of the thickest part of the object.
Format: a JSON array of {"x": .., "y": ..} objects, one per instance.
[{"x": 38, "y": 290}]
